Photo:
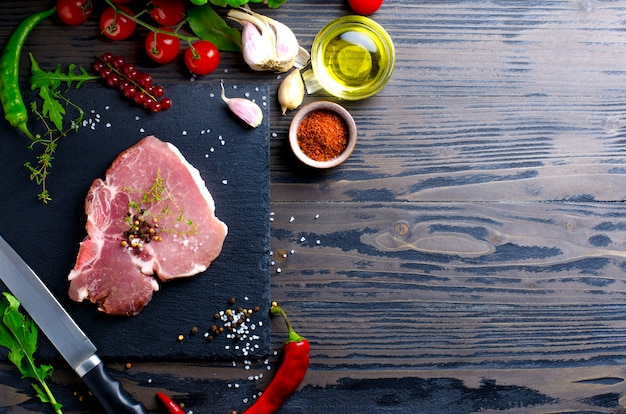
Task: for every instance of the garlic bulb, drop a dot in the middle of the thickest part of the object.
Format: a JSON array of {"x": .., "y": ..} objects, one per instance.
[
  {"x": 268, "y": 44},
  {"x": 291, "y": 91},
  {"x": 248, "y": 111}
]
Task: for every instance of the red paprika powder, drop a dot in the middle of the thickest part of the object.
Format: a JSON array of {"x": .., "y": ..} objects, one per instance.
[{"x": 322, "y": 135}]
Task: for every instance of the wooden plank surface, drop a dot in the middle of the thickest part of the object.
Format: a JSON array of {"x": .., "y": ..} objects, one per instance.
[{"x": 469, "y": 256}]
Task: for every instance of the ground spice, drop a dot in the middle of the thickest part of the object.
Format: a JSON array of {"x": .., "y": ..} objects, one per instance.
[{"x": 322, "y": 135}]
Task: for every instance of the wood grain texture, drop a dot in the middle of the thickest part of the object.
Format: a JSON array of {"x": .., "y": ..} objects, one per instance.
[{"x": 469, "y": 257}]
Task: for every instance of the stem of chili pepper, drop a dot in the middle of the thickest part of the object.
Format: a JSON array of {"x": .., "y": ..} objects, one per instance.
[
  {"x": 15, "y": 110},
  {"x": 290, "y": 373},
  {"x": 170, "y": 405}
]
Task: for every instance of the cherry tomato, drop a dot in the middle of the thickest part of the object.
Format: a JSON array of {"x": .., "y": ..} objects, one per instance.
[
  {"x": 167, "y": 12},
  {"x": 365, "y": 7},
  {"x": 117, "y": 26},
  {"x": 74, "y": 12},
  {"x": 202, "y": 57},
  {"x": 162, "y": 48}
]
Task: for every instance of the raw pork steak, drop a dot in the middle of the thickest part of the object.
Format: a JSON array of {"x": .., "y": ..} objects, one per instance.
[{"x": 151, "y": 215}]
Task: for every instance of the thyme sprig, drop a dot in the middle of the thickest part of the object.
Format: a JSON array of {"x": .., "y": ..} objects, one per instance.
[{"x": 143, "y": 226}]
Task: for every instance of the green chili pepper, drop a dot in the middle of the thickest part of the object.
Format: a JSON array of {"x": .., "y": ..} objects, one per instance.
[
  {"x": 199, "y": 2},
  {"x": 15, "y": 110}
]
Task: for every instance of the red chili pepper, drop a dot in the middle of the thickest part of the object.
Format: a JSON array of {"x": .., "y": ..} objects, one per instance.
[
  {"x": 290, "y": 373},
  {"x": 170, "y": 405}
]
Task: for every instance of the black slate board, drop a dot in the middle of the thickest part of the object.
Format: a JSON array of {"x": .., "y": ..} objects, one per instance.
[{"x": 233, "y": 159}]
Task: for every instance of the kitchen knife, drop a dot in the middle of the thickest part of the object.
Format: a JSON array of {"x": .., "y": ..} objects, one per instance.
[{"x": 63, "y": 332}]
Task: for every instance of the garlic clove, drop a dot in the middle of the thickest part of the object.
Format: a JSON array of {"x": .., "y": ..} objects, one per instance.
[
  {"x": 257, "y": 39},
  {"x": 303, "y": 58},
  {"x": 291, "y": 91},
  {"x": 286, "y": 46},
  {"x": 256, "y": 47},
  {"x": 246, "y": 110}
]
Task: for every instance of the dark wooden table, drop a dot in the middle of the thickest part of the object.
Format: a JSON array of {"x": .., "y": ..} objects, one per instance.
[{"x": 469, "y": 256}]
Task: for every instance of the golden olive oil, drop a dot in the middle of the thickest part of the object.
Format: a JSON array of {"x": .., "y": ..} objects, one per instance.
[{"x": 352, "y": 57}]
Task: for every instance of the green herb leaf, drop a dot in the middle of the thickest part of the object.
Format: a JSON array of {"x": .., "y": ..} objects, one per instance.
[
  {"x": 40, "y": 78},
  {"x": 19, "y": 334},
  {"x": 273, "y": 4},
  {"x": 52, "y": 108},
  {"x": 208, "y": 25}
]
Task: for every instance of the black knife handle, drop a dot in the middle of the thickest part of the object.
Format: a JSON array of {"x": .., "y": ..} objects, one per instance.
[{"x": 109, "y": 392}]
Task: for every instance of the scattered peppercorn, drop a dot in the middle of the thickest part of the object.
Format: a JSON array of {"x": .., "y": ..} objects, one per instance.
[
  {"x": 140, "y": 231},
  {"x": 322, "y": 135}
]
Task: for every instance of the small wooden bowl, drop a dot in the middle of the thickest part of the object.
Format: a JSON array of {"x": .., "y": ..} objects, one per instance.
[{"x": 326, "y": 106}]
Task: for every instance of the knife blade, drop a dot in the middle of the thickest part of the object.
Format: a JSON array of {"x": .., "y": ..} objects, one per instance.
[{"x": 63, "y": 332}]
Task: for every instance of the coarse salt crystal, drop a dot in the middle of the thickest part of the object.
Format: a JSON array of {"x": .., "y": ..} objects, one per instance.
[
  {"x": 142, "y": 130},
  {"x": 292, "y": 219}
]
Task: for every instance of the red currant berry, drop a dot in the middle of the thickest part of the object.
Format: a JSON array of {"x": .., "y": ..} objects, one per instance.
[
  {"x": 166, "y": 103},
  {"x": 105, "y": 72},
  {"x": 156, "y": 106},
  {"x": 140, "y": 98},
  {"x": 118, "y": 62},
  {"x": 130, "y": 91},
  {"x": 107, "y": 57},
  {"x": 112, "y": 80},
  {"x": 97, "y": 66},
  {"x": 158, "y": 91}
]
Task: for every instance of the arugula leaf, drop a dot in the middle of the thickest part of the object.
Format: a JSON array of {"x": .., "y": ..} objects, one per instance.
[
  {"x": 19, "y": 334},
  {"x": 208, "y": 25},
  {"x": 40, "y": 78}
]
